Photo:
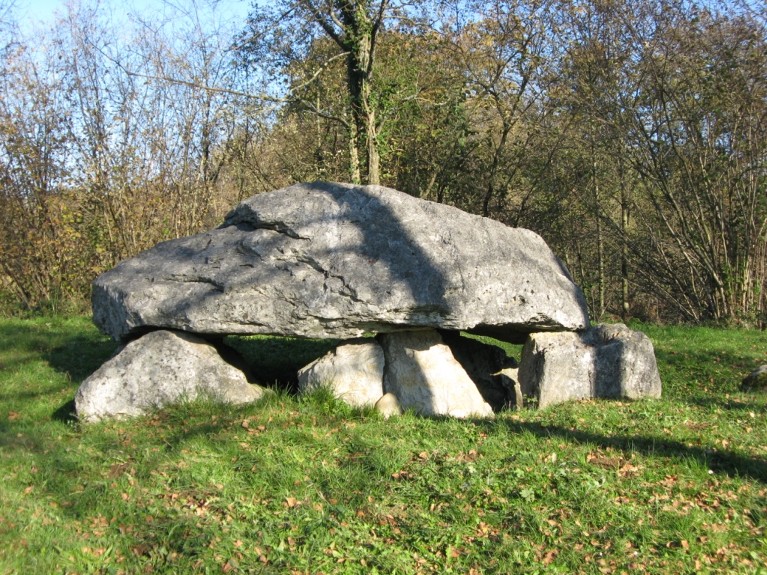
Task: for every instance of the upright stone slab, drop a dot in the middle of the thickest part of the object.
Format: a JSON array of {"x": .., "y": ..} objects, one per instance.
[
  {"x": 353, "y": 372},
  {"x": 160, "y": 369},
  {"x": 606, "y": 361},
  {"x": 557, "y": 367},
  {"x": 488, "y": 367},
  {"x": 337, "y": 261},
  {"x": 424, "y": 376}
]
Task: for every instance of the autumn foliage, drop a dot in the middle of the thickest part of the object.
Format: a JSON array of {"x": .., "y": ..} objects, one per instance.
[{"x": 632, "y": 137}]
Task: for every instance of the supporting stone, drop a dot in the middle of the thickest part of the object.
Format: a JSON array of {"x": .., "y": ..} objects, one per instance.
[
  {"x": 160, "y": 369},
  {"x": 606, "y": 361},
  {"x": 424, "y": 376},
  {"x": 353, "y": 372},
  {"x": 489, "y": 368}
]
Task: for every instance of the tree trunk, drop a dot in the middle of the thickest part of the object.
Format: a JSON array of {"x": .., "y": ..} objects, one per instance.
[
  {"x": 600, "y": 304},
  {"x": 360, "y": 45},
  {"x": 625, "y": 305},
  {"x": 355, "y": 174}
]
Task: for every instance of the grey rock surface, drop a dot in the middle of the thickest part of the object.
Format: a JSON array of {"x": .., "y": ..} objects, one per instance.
[
  {"x": 605, "y": 361},
  {"x": 159, "y": 369},
  {"x": 509, "y": 377},
  {"x": 336, "y": 261},
  {"x": 353, "y": 372},
  {"x": 425, "y": 377}
]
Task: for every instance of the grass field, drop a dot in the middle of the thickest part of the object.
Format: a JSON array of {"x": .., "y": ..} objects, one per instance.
[{"x": 307, "y": 485}]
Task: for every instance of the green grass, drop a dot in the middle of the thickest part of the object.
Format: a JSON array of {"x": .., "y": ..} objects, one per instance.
[{"x": 308, "y": 485}]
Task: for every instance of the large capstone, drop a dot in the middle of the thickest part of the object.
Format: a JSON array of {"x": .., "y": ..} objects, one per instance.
[{"x": 336, "y": 261}]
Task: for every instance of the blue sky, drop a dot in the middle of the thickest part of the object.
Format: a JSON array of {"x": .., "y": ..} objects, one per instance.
[{"x": 32, "y": 12}]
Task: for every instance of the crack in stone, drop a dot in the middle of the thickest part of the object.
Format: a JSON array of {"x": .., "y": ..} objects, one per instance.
[
  {"x": 246, "y": 250},
  {"x": 346, "y": 290},
  {"x": 280, "y": 228},
  {"x": 349, "y": 291},
  {"x": 312, "y": 263},
  {"x": 199, "y": 279}
]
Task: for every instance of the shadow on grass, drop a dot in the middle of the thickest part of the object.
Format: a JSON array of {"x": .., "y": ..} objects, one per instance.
[
  {"x": 23, "y": 396},
  {"x": 80, "y": 355},
  {"x": 727, "y": 462},
  {"x": 710, "y": 379},
  {"x": 720, "y": 370},
  {"x": 66, "y": 413},
  {"x": 77, "y": 358},
  {"x": 734, "y": 405},
  {"x": 72, "y": 349},
  {"x": 21, "y": 336}
]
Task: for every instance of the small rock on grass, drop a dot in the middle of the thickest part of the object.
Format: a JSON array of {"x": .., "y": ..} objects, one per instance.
[
  {"x": 756, "y": 380},
  {"x": 388, "y": 405}
]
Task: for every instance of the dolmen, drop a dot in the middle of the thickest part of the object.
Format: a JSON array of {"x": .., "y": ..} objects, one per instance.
[{"x": 405, "y": 283}]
